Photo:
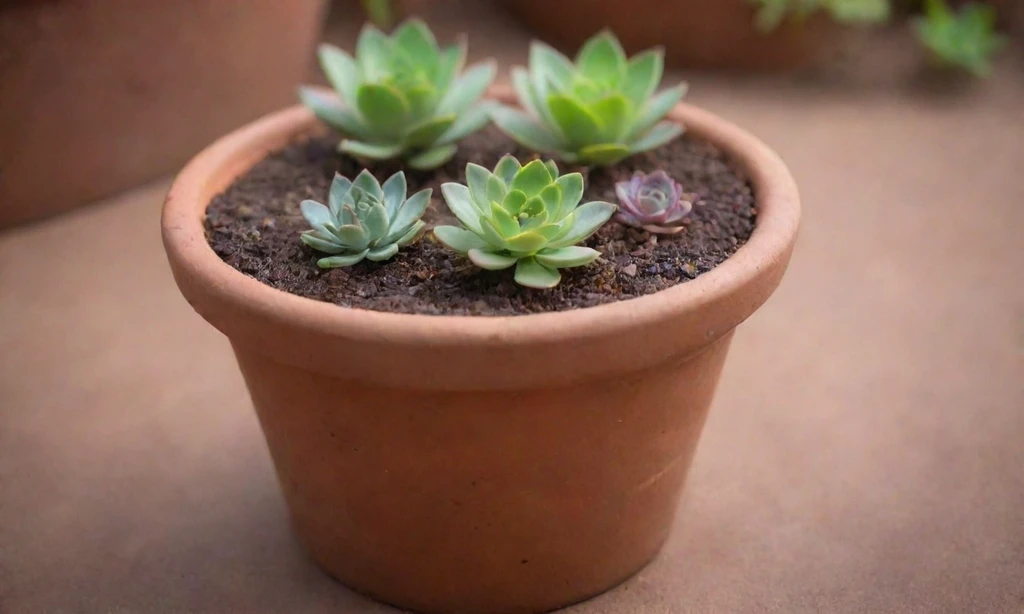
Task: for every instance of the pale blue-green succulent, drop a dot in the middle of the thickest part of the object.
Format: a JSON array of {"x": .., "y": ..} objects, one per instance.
[
  {"x": 597, "y": 111},
  {"x": 402, "y": 96},
  {"x": 364, "y": 219},
  {"x": 527, "y": 216}
]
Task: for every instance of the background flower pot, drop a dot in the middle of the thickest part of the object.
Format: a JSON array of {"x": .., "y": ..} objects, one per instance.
[
  {"x": 695, "y": 33},
  {"x": 480, "y": 464},
  {"x": 100, "y": 96}
]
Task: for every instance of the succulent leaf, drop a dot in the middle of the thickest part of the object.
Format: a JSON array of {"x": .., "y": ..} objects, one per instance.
[
  {"x": 415, "y": 39},
  {"x": 411, "y": 235},
  {"x": 459, "y": 239},
  {"x": 656, "y": 108},
  {"x": 532, "y": 178},
  {"x": 368, "y": 151},
  {"x": 364, "y": 220},
  {"x": 504, "y": 223},
  {"x": 551, "y": 64},
  {"x": 341, "y": 70},
  {"x": 657, "y": 136},
  {"x": 492, "y": 261},
  {"x": 373, "y": 53},
  {"x": 565, "y": 257},
  {"x": 468, "y": 88},
  {"x": 333, "y": 112},
  {"x": 596, "y": 111},
  {"x": 342, "y": 260},
  {"x": 378, "y": 254},
  {"x": 533, "y": 274},
  {"x": 320, "y": 244},
  {"x": 429, "y": 130},
  {"x": 366, "y": 182},
  {"x": 450, "y": 63},
  {"x": 587, "y": 218},
  {"x": 383, "y": 106},
  {"x": 409, "y": 212},
  {"x": 473, "y": 119},
  {"x": 526, "y": 131},
  {"x": 402, "y": 95},
  {"x": 393, "y": 190},
  {"x": 572, "y": 192},
  {"x": 602, "y": 59},
  {"x": 432, "y": 158},
  {"x": 576, "y": 121},
  {"x": 507, "y": 168},
  {"x": 462, "y": 205},
  {"x": 315, "y": 213},
  {"x": 522, "y": 214},
  {"x": 642, "y": 76},
  {"x": 496, "y": 189},
  {"x": 476, "y": 180}
]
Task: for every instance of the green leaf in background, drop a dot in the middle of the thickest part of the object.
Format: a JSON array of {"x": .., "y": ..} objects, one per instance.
[
  {"x": 771, "y": 13},
  {"x": 379, "y": 12},
  {"x": 966, "y": 39}
]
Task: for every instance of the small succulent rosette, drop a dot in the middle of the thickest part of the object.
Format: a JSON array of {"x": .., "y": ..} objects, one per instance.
[{"x": 654, "y": 202}]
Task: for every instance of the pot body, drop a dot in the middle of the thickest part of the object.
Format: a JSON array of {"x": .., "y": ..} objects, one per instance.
[
  {"x": 101, "y": 96},
  {"x": 699, "y": 34},
  {"x": 480, "y": 464},
  {"x": 487, "y": 501}
]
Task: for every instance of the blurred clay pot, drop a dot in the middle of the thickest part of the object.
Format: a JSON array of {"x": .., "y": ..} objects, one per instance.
[
  {"x": 99, "y": 96},
  {"x": 480, "y": 464},
  {"x": 701, "y": 34}
]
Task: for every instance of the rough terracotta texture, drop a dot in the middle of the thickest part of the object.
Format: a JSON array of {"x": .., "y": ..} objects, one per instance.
[
  {"x": 862, "y": 455},
  {"x": 520, "y": 500},
  {"x": 99, "y": 96},
  {"x": 480, "y": 464}
]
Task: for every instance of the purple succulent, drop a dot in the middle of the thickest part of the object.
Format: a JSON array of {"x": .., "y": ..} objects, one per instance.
[{"x": 653, "y": 202}]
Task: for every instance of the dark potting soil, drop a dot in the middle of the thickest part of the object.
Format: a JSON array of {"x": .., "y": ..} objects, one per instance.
[{"x": 254, "y": 226}]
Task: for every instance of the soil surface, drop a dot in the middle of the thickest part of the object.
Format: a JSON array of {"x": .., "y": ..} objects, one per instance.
[{"x": 255, "y": 224}]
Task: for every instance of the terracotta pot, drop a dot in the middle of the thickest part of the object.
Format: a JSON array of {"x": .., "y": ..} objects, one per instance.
[
  {"x": 701, "y": 34},
  {"x": 480, "y": 464},
  {"x": 101, "y": 96}
]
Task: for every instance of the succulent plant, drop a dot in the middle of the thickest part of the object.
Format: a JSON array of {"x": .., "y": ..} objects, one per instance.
[
  {"x": 654, "y": 202},
  {"x": 966, "y": 39},
  {"x": 402, "y": 96},
  {"x": 525, "y": 216},
  {"x": 364, "y": 219},
  {"x": 596, "y": 111}
]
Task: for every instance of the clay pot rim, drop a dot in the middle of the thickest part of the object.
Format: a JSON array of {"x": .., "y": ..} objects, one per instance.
[{"x": 218, "y": 283}]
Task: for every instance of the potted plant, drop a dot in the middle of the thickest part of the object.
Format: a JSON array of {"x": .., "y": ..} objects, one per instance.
[
  {"x": 963, "y": 38},
  {"x": 695, "y": 33},
  {"x": 118, "y": 92},
  {"x": 498, "y": 411},
  {"x": 763, "y": 34}
]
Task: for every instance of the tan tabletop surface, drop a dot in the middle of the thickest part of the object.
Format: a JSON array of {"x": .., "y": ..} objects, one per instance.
[{"x": 865, "y": 452}]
